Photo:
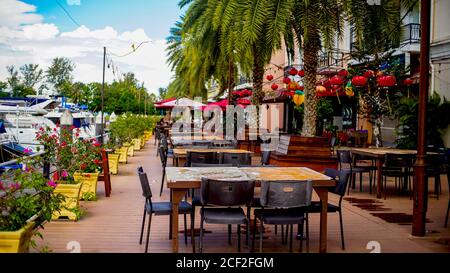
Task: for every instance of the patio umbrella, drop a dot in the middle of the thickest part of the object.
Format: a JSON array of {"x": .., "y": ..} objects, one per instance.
[{"x": 183, "y": 102}]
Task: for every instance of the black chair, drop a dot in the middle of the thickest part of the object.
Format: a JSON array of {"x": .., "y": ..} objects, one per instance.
[
  {"x": 345, "y": 157},
  {"x": 200, "y": 157},
  {"x": 160, "y": 208},
  {"x": 283, "y": 203},
  {"x": 368, "y": 164},
  {"x": 342, "y": 178},
  {"x": 163, "y": 157},
  {"x": 230, "y": 196},
  {"x": 435, "y": 167},
  {"x": 236, "y": 159},
  {"x": 399, "y": 166},
  {"x": 265, "y": 158}
]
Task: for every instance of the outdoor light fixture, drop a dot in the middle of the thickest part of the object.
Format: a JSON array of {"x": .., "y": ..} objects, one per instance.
[{"x": 67, "y": 118}]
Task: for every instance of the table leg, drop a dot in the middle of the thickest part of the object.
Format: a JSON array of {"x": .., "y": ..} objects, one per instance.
[
  {"x": 379, "y": 177},
  {"x": 323, "y": 195},
  {"x": 177, "y": 196}
]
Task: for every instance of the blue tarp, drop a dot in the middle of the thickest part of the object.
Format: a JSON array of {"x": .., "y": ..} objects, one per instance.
[{"x": 2, "y": 127}]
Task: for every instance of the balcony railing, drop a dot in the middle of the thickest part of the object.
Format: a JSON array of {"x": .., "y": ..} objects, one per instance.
[
  {"x": 333, "y": 58},
  {"x": 411, "y": 33}
]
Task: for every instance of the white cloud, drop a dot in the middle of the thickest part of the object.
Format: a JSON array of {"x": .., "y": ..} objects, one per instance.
[
  {"x": 15, "y": 13},
  {"x": 73, "y": 2},
  {"x": 40, "y": 43}
]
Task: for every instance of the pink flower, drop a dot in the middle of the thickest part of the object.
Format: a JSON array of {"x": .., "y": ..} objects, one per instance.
[
  {"x": 51, "y": 183},
  {"x": 54, "y": 129},
  {"x": 15, "y": 186},
  {"x": 27, "y": 150},
  {"x": 73, "y": 150},
  {"x": 97, "y": 144},
  {"x": 64, "y": 174}
]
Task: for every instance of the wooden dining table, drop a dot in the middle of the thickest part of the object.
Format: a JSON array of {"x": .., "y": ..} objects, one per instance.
[
  {"x": 378, "y": 154},
  {"x": 180, "y": 180}
]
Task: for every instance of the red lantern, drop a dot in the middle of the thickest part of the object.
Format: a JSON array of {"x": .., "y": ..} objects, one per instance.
[
  {"x": 369, "y": 74},
  {"x": 320, "y": 89},
  {"x": 359, "y": 81},
  {"x": 236, "y": 93},
  {"x": 343, "y": 73},
  {"x": 244, "y": 102},
  {"x": 274, "y": 86},
  {"x": 301, "y": 88},
  {"x": 286, "y": 80},
  {"x": 293, "y": 71},
  {"x": 408, "y": 82},
  {"x": 301, "y": 73},
  {"x": 292, "y": 86},
  {"x": 387, "y": 81},
  {"x": 336, "y": 80},
  {"x": 269, "y": 78}
]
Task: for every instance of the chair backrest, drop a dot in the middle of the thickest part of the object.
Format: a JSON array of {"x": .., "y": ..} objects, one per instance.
[
  {"x": 146, "y": 190},
  {"x": 341, "y": 177},
  {"x": 226, "y": 193},
  {"x": 203, "y": 165},
  {"x": 236, "y": 159},
  {"x": 163, "y": 155},
  {"x": 200, "y": 157},
  {"x": 286, "y": 194},
  {"x": 344, "y": 156},
  {"x": 265, "y": 157},
  {"x": 398, "y": 160}
]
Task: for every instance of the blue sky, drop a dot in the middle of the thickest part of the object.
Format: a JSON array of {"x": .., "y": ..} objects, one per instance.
[
  {"x": 36, "y": 31},
  {"x": 154, "y": 16}
]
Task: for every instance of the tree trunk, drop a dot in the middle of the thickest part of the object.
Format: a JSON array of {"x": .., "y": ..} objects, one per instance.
[
  {"x": 311, "y": 52},
  {"x": 230, "y": 80},
  {"x": 258, "y": 78}
]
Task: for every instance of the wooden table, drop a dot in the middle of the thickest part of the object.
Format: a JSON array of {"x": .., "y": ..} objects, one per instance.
[
  {"x": 180, "y": 180},
  {"x": 181, "y": 152},
  {"x": 378, "y": 154}
]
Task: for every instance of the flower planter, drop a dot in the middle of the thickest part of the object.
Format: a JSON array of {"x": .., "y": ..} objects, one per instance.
[
  {"x": 137, "y": 144},
  {"x": 89, "y": 185},
  {"x": 130, "y": 150},
  {"x": 16, "y": 241},
  {"x": 113, "y": 160},
  {"x": 148, "y": 135},
  {"x": 142, "y": 142},
  {"x": 71, "y": 193},
  {"x": 123, "y": 154}
]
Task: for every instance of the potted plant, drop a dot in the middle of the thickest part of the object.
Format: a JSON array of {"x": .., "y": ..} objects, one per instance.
[
  {"x": 90, "y": 167},
  {"x": 27, "y": 200}
]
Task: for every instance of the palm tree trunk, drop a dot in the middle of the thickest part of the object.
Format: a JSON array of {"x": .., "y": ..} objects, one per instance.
[
  {"x": 258, "y": 78},
  {"x": 230, "y": 79},
  {"x": 311, "y": 52}
]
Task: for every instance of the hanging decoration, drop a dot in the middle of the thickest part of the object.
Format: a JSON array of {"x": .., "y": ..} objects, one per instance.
[
  {"x": 299, "y": 97},
  {"x": 293, "y": 71},
  {"x": 343, "y": 73},
  {"x": 321, "y": 89},
  {"x": 387, "y": 81},
  {"x": 349, "y": 90},
  {"x": 336, "y": 80},
  {"x": 408, "y": 82},
  {"x": 369, "y": 74},
  {"x": 359, "y": 81},
  {"x": 301, "y": 73},
  {"x": 274, "y": 87},
  {"x": 286, "y": 80},
  {"x": 292, "y": 86},
  {"x": 269, "y": 78}
]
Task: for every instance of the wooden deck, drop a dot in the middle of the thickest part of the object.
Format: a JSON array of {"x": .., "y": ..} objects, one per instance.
[{"x": 113, "y": 224}]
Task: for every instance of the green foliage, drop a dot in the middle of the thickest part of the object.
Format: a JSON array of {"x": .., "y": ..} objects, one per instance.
[
  {"x": 129, "y": 126},
  {"x": 59, "y": 73},
  {"x": 324, "y": 109},
  {"x": 89, "y": 196},
  {"x": 24, "y": 194},
  {"x": 438, "y": 120}
]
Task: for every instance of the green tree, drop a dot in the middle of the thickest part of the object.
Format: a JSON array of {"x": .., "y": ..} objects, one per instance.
[
  {"x": 59, "y": 73},
  {"x": 31, "y": 74}
]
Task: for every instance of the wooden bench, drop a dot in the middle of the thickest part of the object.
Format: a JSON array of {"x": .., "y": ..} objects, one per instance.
[{"x": 105, "y": 176}]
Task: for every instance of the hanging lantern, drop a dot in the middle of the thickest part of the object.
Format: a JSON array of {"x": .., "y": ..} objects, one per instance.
[
  {"x": 301, "y": 88},
  {"x": 293, "y": 71},
  {"x": 301, "y": 73},
  {"x": 286, "y": 80},
  {"x": 359, "y": 81},
  {"x": 408, "y": 82},
  {"x": 269, "y": 78},
  {"x": 380, "y": 73},
  {"x": 274, "y": 86},
  {"x": 299, "y": 98},
  {"x": 336, "y": 80},
  {"x": 292, "y": 86},
  {"x": 244, "y": 102},
  {"x": 343, "y": 73},
  {"x": 321, "y": 89},
  {"x": 386, "y": 81},
  {"x": 369, "y": 74},
  {"x": 349, "y": 90}
]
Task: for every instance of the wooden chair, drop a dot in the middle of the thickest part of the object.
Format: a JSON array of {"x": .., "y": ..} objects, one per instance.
[{"x": 105, "y": 176}]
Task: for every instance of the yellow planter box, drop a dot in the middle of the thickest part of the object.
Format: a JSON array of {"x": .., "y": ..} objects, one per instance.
[
  {"x": 123, "y": 154},
  {"x": 130, "y": 150},
  {"x": 142, "y": 142},
  {"x": 148, "y": 135},
  {"x": 137, "y": 144},
  {"x": 89, "y": 185},
  {"x": 113, "y": 160},
  {"x": 16, "y": 241},
  {"x": 71, "y": 193}
]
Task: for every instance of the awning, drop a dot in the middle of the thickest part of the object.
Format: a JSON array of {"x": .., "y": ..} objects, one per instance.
[{"x": 183, "y": 102}]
